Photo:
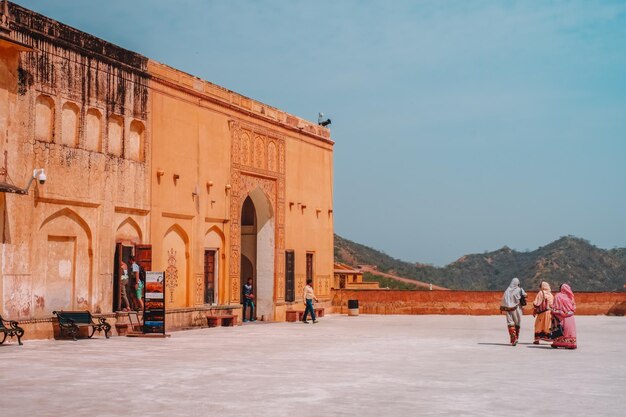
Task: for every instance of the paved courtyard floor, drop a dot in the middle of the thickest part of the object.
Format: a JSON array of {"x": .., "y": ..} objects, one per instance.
[{"x": 343, "y": 366}]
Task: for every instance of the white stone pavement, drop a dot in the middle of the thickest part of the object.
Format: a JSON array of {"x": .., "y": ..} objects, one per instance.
[{"x": 343, "y": 366}]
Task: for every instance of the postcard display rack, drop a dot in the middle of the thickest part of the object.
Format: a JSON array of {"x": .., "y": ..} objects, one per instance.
[{"x": 154, "y": 303}]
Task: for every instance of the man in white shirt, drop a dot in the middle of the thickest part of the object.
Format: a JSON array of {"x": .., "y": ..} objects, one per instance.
[{"x": 308, "y": 297}]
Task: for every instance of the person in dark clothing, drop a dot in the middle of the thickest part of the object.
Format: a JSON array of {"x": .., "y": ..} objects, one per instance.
[{"x": 248, "y": 300}]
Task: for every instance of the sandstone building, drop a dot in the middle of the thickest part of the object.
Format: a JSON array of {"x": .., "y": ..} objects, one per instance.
[{"x": 198, "y": 181}]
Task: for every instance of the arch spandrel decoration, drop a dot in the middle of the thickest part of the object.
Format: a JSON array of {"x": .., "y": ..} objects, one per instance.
[{"x": 250, "y": 170}]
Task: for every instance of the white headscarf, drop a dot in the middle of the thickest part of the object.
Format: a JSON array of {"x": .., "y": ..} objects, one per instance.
[{"x": 511, "y": 296}]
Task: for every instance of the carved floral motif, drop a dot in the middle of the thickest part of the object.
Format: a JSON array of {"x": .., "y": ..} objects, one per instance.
[
  {"x": 199, "y": 288},
  {"x": 171, "y": 273}
]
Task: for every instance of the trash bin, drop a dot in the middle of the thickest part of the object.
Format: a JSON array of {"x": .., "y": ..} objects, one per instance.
[{"x": 353, "y": 307}]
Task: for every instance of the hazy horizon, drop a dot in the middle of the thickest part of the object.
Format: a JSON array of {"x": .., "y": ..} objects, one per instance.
[{"x": 459, "y": 127}]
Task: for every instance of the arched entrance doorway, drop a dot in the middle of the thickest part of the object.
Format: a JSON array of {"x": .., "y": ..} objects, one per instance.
[{"x": 257, "y": 251}]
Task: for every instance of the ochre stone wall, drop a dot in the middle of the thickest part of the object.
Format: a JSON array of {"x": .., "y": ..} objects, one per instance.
[
  {"x": 463, "y": 302},
  {"x": 78, "y": 107},
  {"x": 213, "y": 148},
  {"x": 143, "y": 157}
]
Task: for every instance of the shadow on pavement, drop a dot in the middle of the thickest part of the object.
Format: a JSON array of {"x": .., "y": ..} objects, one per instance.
[
  {"x": 502, "y": 344},
  {"x": 495, "y": 344}
]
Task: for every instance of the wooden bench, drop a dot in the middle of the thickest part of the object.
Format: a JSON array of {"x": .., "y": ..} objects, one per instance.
[
  {"x": 296, "y": 315},
  {"x": 72, "y": 321},
  {"x": 228, "y": 320},
  {"x": 12, "y": 330}
]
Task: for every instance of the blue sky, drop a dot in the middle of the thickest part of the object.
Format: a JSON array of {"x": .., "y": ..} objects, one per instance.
[{"x": 460, "y": 126}]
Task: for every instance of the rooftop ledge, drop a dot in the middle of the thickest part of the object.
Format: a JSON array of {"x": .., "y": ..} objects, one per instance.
[
  {"x": 215, "y": 93},
  {"x": 28, "y": 24}
]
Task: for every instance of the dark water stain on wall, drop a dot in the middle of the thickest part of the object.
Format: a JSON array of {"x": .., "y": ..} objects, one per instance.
[{"x": 77, "y": 65}]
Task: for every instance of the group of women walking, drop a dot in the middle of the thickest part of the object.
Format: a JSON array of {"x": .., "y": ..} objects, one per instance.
[{"x": 554, "y": 314}]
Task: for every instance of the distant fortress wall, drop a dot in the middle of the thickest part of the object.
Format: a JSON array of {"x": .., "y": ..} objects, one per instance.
[{"x": 478, "y": 303}]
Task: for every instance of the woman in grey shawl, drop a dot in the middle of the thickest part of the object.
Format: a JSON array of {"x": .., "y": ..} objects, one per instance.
[{"x": 511, "y": 305}]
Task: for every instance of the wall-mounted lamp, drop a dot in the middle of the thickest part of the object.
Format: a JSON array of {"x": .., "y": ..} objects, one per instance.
[
  {"x": 176, "y": 177},
  {"x": 227, "y": 187},
  {"x": 159, "y": 173},
  {"x": 209, "y": 184}
]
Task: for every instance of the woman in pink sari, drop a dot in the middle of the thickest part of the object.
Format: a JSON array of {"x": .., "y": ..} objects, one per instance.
[{"x": 563, "y": 309}]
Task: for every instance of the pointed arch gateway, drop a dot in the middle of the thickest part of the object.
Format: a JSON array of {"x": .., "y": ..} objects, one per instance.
[
  {"x": 128, "y": 241},
  {"x": 212, "y": 280},
  {"x": 175, "y": 259},
  {"x": 129, "y": 230},
  {"x": 263, "y": 182},
  {"x": 66, "y": 274},
  {"x": 258, "y": 247}
]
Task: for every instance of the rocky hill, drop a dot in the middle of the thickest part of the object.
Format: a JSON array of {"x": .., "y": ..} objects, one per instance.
[{"x": 568, "y": 259}]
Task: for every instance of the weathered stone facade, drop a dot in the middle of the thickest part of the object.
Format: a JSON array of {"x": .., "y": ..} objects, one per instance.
[{"x": 141, "y": 156}]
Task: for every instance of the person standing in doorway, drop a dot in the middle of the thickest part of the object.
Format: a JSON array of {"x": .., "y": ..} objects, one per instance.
[
  {"x": 308, "y": 297},
  {"x": 512, "y": 306},
  {"x": 248, "y": 300},
  {"x": 124, "y": 286},
  {"x": 137, "y": 282}
]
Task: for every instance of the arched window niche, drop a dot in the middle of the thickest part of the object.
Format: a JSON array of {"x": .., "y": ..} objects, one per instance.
[
  {"x": 93, "y": 131},
  {"x": 44, "y": 118},
  {"x": 69, "y": 124},
  {"x": 136, "y": 141},
  {"x": 115, "y": 135}
]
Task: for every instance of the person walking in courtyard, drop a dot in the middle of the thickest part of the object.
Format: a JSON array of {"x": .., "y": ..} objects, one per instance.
[
  {"x": 563, "y": 310},
  {"x": 308, "y": 297},
  {"x": 137, "y": 282},
  {"x": 541, "y": 312},
  {"x": 248, "y": 300},
  {"x": 511, "y": 304}
]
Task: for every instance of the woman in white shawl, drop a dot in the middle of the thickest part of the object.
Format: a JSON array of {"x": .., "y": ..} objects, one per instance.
[{"x": 511, "y": 305}]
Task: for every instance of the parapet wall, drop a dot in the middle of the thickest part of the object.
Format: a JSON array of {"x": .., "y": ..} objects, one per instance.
[{"x": 463, "y": 302}]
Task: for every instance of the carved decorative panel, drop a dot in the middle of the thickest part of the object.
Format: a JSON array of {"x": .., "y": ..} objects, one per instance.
[
  {"x": 259, "y": 152},
  {"x": 245, "y": 149},
  {"x": 324, "y": 284},
  {"x": 258, "y": 163},
  {"x": 199, "y": 288},
  {"x": 171, "y": 273},
  {"x": 271, "y": 156},
  {"x": 281, "y": 157}
]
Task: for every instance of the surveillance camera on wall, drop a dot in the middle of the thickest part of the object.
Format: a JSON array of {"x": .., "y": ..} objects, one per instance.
[
  {"x": 38, "y": 174},
  {"x": 41, "y": 176}
]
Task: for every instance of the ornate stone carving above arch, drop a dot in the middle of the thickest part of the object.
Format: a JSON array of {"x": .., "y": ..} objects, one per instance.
[{"x": 256, "y": 163}]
